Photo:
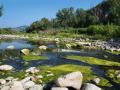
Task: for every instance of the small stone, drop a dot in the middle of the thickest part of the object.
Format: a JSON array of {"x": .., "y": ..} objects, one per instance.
[
  {"x": 96, "y": 80},
  {"x": 9, "y": 79},
  {"x": 2, "y": 81},
  {"x": 25, "y": 51},
  {"x": 59, "y": 88},
  {"x": 36, "y": 87},
  {"x": 39, "y": 76},
  {"x": 32, "y": 70},
  {"x": 6, "y": 67},
  {"x": 29, "y": 84},
  {"x": 118, "y": 76},
  {"x": 42, "y": 47}
]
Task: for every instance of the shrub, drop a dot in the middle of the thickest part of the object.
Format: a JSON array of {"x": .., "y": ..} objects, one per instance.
[{"x": 104, "y": 30}]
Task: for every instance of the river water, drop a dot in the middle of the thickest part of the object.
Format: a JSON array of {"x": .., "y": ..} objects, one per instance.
[{"x": 55, "y": 55}]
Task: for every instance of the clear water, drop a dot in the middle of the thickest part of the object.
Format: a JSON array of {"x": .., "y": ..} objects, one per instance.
[{"x": 55, "y": 57}]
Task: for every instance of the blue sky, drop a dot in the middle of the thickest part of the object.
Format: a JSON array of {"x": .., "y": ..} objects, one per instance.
[{"x": 24, "y": 12}]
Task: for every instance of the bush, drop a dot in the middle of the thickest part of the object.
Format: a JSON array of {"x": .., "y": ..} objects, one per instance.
[{"x": 104, "y": 30}]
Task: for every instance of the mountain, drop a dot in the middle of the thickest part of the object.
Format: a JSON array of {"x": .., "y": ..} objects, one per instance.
[{"x": 20, "y": 29}]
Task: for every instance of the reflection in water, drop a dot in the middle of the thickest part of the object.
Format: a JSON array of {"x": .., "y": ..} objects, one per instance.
[{"x": 17, "y": 43}]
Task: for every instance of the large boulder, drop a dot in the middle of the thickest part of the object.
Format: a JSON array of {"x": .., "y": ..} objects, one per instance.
[
  {"x": 59, "y": 88},
  {"x": 36, "y": 87},
  {"x": 6, "y": 67},
  {"x": 10, "y": 47},
  {"x": 17, "y": 86},
  {"x": 89, "y": 86},
  {"x": 25, "y": 51},
  {"x": 73, "y": 80},
  {"x": 32, "y": 70}
]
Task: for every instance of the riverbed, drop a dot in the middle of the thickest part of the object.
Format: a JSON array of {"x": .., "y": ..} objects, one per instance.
[{"x": 55, "y": 56}]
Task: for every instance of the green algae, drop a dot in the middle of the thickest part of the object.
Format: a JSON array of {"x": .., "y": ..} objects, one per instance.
[
  {"x": 93, "y": 60},
  {"x": 33, "y": 57}
]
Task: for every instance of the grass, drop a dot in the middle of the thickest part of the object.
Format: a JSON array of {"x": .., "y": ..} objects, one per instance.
[
  {"x": 93, "y": 60},
  {"x": 33, "y": 57}
]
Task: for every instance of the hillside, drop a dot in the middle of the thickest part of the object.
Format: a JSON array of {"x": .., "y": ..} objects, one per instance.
[{"x": 107, "y": 11}]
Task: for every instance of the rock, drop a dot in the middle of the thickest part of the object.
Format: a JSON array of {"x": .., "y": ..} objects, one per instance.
[
  {"x": 2, "y": 81},
  {"x": 73, "y": 80},
  {"x": 68, "y": 46},
  {"x": 25, "y": 51},
  {"x": 57, "y": 40},
  {"x": 59, "y": 88},
  {"x": 29, "y": 84},
  {"x": 17, "y": 86},
  {"x": 11, "y": 47},
  {"x": 89, "y": 86},
  {"x": 9, "y": 79},
  {"x": 36, "y": 87},
  {"x": 25, "y": 80},
  {"x": 5, "y": 88},
  {"x": 42, "y": 47},
  {"x": 6, "y": 67},
  {"x": 96, "y": 80},
  {"x": 117, "y": 73},
  {"x": 118, "y": 76},
  {"x": 39, "y": 76},
  {"x": 32, "y": 70}
]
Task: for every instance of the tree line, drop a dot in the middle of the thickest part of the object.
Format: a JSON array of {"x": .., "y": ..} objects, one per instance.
[{"x": 106, "y": 12}]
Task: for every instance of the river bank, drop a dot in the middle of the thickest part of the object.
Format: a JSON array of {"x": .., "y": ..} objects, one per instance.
[{"x": 112, "y": 45}]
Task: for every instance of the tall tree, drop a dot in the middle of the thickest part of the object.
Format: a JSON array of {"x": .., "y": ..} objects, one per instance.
[{"x": 66, "y": 17}]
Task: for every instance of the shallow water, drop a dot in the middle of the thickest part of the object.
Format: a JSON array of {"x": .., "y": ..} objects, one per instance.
[{"x": 55, "y": 55}]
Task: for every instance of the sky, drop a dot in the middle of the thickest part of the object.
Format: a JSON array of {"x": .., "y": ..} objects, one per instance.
[{"x": 23, "y": 12}]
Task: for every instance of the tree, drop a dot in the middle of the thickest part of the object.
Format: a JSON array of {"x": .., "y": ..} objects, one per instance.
[
  {"x": 66, "y": 17},
  {"x": 80, "y": 17},
  {"x": 43, "y": 24}
]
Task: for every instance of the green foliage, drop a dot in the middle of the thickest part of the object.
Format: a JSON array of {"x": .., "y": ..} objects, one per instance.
[
  {"x": 43, "y": 24},
  {"x": 7, "y": 31},
  {"x": 105, "y": 30},
  {"x": 66, "y": 17}
]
